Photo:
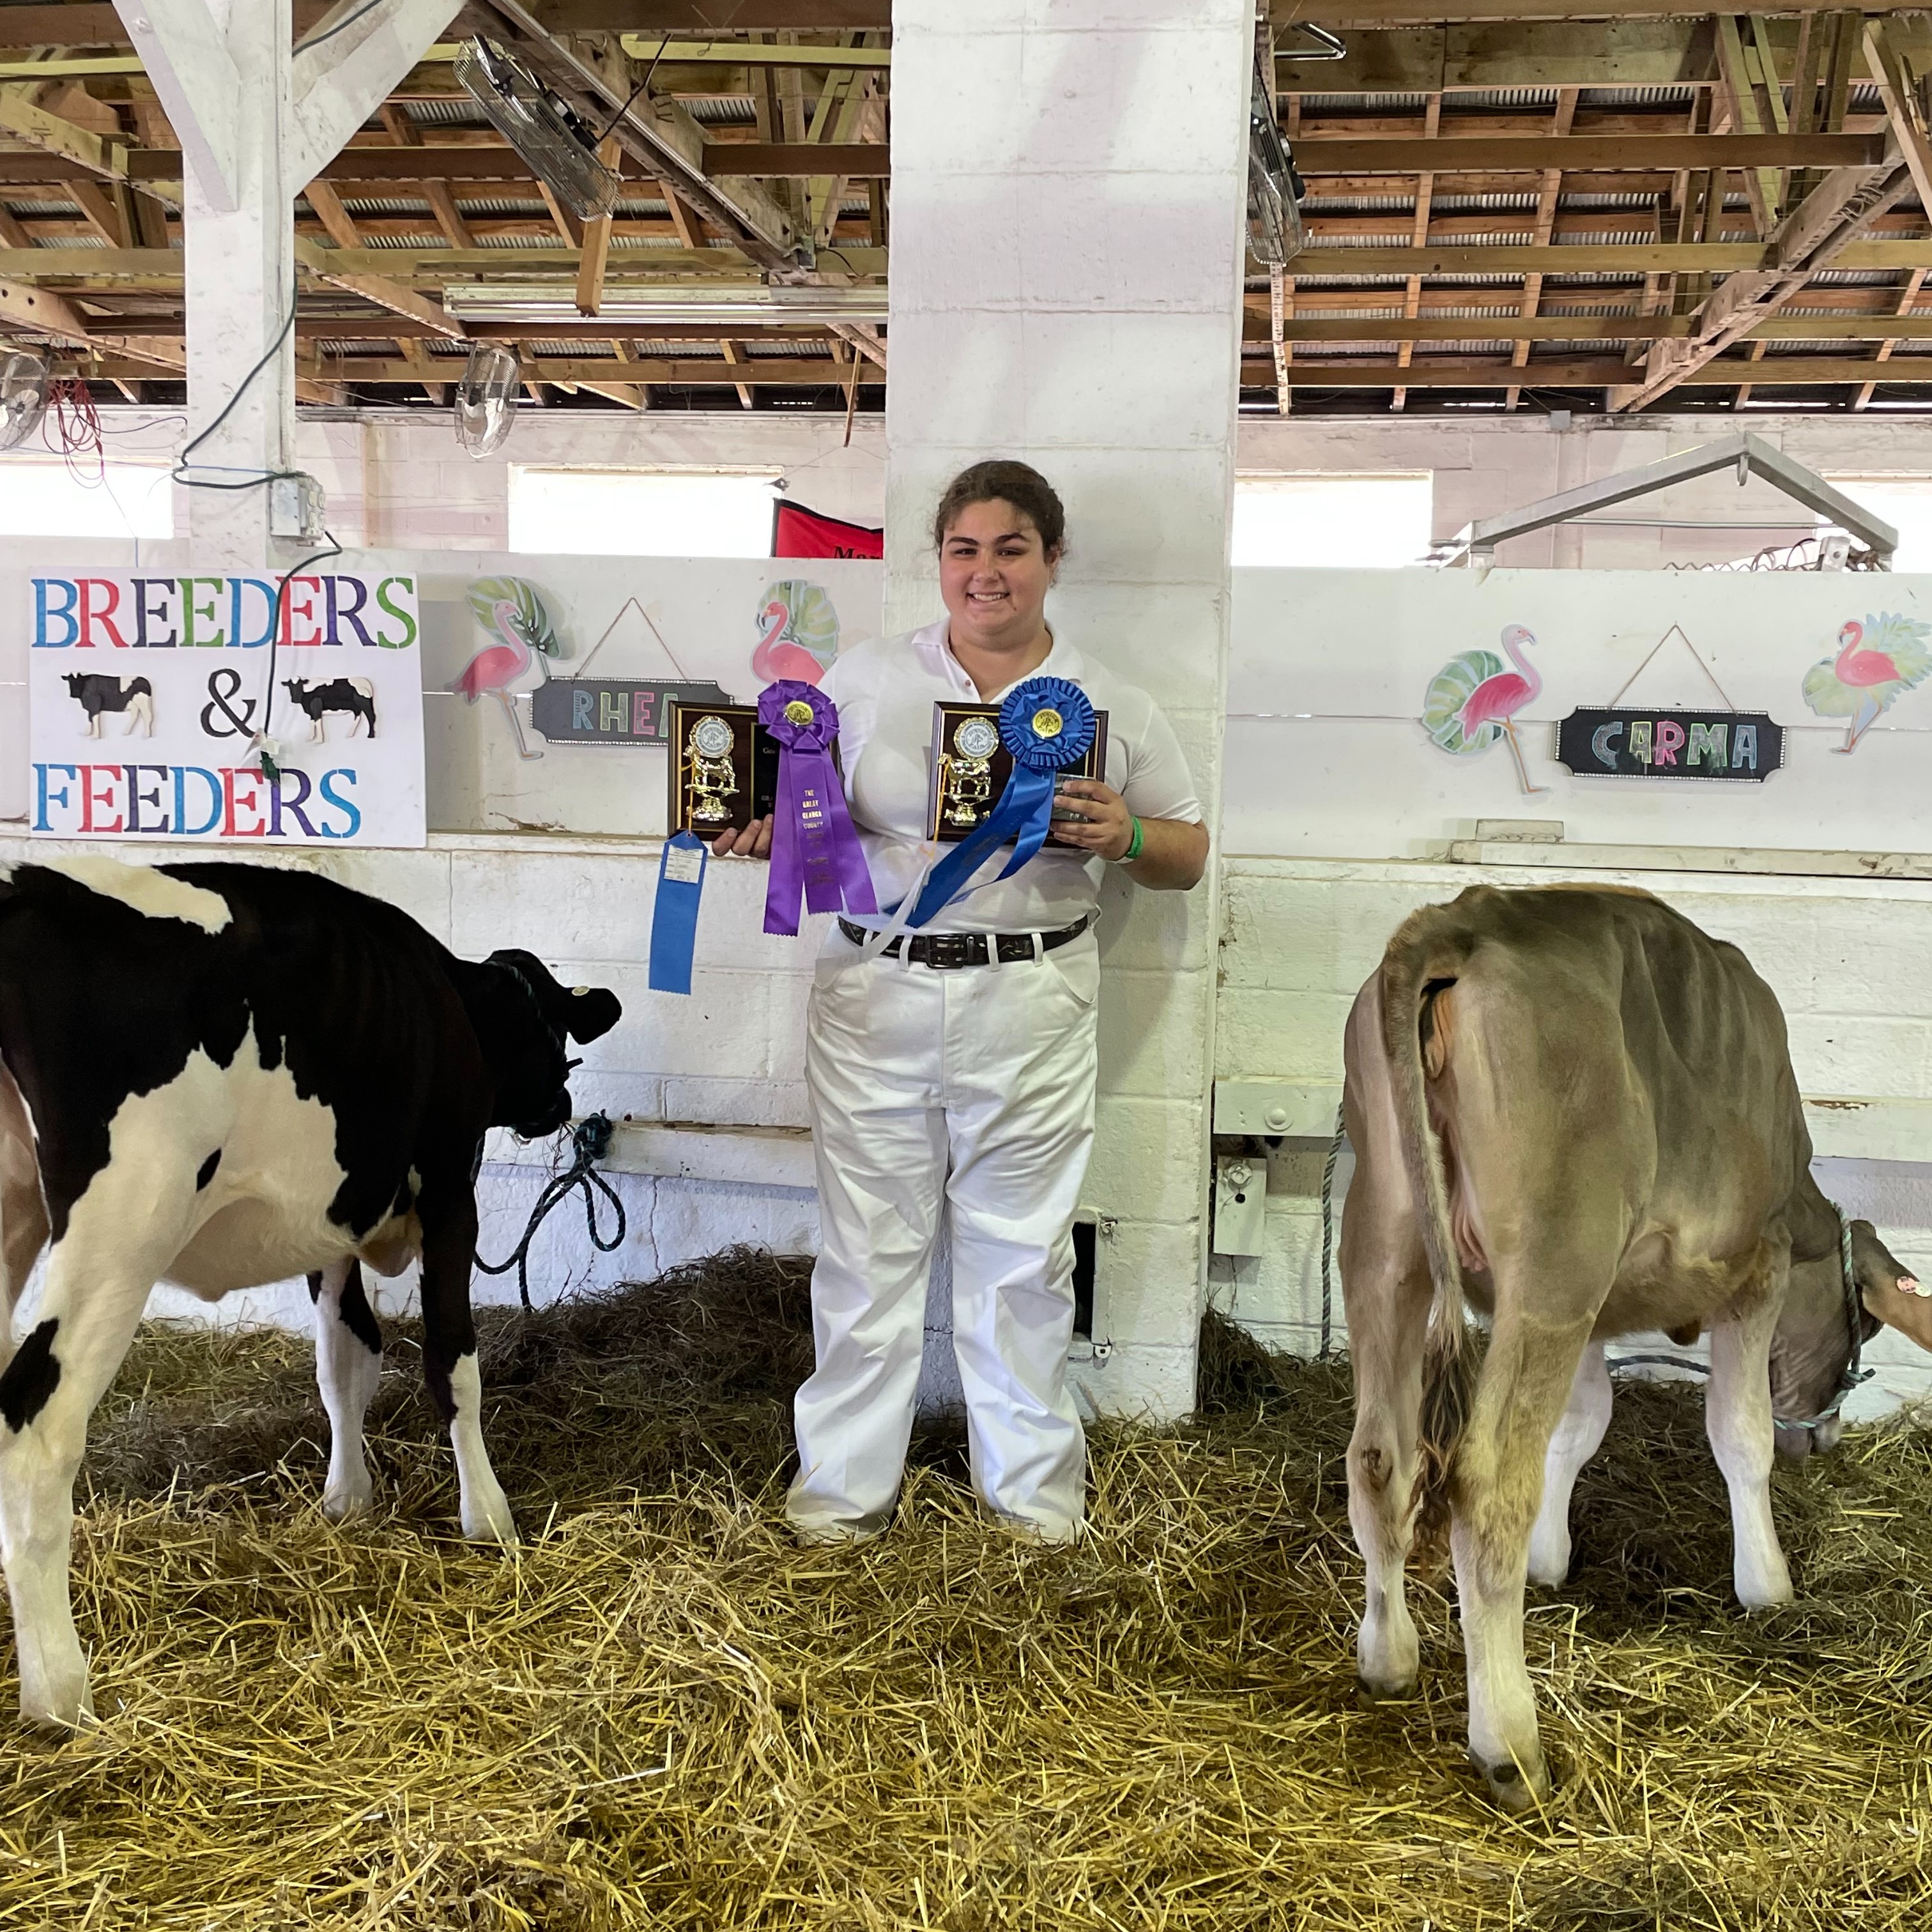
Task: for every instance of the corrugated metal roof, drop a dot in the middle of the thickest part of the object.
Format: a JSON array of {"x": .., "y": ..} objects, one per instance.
[
  {"x": 455, "y": 110},
  {"x": 1364, "y": 104},
  {"x": 1636, "y": 97},
  {"x": 1506, "y": 100}
]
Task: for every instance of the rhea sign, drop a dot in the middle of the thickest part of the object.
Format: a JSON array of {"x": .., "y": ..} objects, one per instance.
[
  {"x": 1627, "y": 744},
  {"x": 150, "y": 696}
]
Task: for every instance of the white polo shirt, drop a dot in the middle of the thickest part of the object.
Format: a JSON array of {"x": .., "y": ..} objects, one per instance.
[{"x": 885, "y": 692}]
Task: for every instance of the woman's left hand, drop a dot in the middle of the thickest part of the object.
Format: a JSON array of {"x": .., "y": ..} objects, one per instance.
[{"x": 1106, "y": 826}]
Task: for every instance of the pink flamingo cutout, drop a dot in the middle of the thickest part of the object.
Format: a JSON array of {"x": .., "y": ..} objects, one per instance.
[
  {"x": 497, "y": 666},
  {"x": 774, "y": 658},
  {"x": 1862, "y": 671},
  {"x": 1497, "y": 699}
]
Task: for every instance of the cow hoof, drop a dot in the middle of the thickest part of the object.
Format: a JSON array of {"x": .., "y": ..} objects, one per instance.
[
  {"x": 1513, "y": 1788},
  {"x": 1369, "y": 1694},
  {"x": 491, "y": 1523},
  {"x": 64, "y": 1709},
  {"x": 341, "y": 1501}
]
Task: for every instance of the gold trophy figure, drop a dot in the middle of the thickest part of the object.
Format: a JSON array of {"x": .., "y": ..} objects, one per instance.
[
  {"x": 713, "y": 779},
  {"x": 969, "y": 777}
]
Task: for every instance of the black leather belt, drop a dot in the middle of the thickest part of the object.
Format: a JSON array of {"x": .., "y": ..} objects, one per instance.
[{"x": 945, "y": 951}]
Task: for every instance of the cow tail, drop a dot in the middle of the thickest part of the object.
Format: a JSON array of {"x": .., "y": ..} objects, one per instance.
[{"x": 1413, "y": 969}]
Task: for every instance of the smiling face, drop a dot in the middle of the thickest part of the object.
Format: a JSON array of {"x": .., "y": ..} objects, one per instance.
[{"x": 994, "y": 574}]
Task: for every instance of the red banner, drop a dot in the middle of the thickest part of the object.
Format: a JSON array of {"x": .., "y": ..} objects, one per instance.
[{"x": 798, "y": 532}]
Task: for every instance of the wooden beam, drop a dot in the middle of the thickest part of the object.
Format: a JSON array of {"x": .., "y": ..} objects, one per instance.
[
  {"x": 690, "y": 234},
  {"x": 1583, "y": 259},
  {"x": 333, "y": 216},
  {"x": 1425, "y": 194},
  {"x": 1815, "y": 234},
  {"x": 780, "y": 371},
  {"x": 1573, "y": 154},
  {"x": 100, "y": 154},
  {"x": 736, "y": 356},
  {"x": 1908, "y": 297},
  {"x": 321, "y": 263},
  {"x": 1904, "y": 107},
  {"x": 100, "y": 214},
  {"x": 1548, "y": 327},
  {"x": 596, "y": 246},
  {"x": 859, "y": 160},
  {"x": 1546, "y": 219},
  {"x": 433, "y": 267},
  {"x": 1444, "y": 373},
  {"x": 1422, "y": 12},
  {"x": 567, "y": 225}
]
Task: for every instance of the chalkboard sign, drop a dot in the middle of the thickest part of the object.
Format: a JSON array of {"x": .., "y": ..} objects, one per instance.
[
  {"x": 613, "y": 710},
  {"x": 1644, "y": 744}
]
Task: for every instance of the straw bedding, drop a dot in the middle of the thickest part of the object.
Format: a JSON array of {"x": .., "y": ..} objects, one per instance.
[{"x": 660, "y": 1714}]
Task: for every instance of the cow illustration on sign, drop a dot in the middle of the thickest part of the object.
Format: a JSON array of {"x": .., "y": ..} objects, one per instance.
[
  {"x": 1877, "y": 661},
  {"x": 1473, "y": 700},
  {"x": 510, "y": 609},
  {"x": 798, "y": 632},
  {"x": 95, "y": 693},
  {"x": 353, "y": 696}
]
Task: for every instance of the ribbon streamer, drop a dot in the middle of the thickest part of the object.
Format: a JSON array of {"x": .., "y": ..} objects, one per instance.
[
  {"x": 674, "y": 912},
  {"x": 1047, "y": 724},
  {"x": 815, "y": 850}
]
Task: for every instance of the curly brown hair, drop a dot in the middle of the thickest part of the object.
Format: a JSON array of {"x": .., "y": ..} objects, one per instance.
[{"x": 1002, "y": 481}]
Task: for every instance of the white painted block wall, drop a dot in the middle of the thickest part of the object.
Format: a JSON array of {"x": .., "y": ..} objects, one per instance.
[{"x": 1032, "y": 145}]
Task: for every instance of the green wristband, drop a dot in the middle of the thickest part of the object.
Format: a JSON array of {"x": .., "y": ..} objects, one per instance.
[{"x": 1134, "y": 844}]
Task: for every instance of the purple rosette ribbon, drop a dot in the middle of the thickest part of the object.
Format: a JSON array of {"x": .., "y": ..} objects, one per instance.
[{"x": 815, "y": 852}]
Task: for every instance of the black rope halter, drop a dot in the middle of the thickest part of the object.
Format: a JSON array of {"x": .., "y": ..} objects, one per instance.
[
  {"x": 590, "y": 1141},
  {"x": 1854, "y": 1372}
]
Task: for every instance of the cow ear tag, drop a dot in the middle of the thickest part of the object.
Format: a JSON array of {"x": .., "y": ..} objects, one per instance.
[{"x": 674, "y": 913}]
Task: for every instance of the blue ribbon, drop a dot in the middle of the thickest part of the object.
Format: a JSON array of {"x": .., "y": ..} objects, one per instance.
[
  {"x": 674, "y": 913},
  {"x": 1047, "y": 724}
]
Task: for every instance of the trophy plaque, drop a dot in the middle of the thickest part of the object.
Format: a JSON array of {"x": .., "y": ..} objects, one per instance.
[
  {"x": 723, "y": 768},
  {"x": 970, "y": 768}
]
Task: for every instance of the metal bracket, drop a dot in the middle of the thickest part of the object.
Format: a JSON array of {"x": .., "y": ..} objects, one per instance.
[{"x": 1751, "y": 455}]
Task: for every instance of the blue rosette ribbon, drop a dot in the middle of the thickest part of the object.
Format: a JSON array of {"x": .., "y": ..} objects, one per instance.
[
  {"x": 1047, "y": 724},
  {"x": 815, "y": 852}
]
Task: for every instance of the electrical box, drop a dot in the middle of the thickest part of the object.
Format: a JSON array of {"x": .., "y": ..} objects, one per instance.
[
  {"x": 296, "y": 504},
  {"x": 1240, "y": 1204}
]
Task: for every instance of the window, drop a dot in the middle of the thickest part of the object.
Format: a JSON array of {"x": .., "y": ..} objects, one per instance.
[
  {"x": 1905, "y": 503},
  {"x": 41, "y": 496},
  {"x": 641, "y": 513},
  {"x": 1375, "y": 523}
]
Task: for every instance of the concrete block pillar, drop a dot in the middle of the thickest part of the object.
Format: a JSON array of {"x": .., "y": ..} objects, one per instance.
[
  {"x": 1068, "y": 180},
  {"x": 239, "y": 265}
]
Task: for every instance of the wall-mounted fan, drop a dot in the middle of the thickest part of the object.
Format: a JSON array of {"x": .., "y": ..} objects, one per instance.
[
  {"x": 486, "y": 398},
  {"x": 558, "y": 144},
  {"x": 24, "y": 379},
  {"x": 1274, "y": 189}
]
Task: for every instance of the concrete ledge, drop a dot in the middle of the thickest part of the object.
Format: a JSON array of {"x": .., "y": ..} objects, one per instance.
[
  {"x": 1843, "y": 1126},
  {"x": 682, "y": 1151}
]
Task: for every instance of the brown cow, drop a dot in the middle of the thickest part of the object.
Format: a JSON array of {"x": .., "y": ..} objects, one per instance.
[{"x": 1571, "y": 1106}]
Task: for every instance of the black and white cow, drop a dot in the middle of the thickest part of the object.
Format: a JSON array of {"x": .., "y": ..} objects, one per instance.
[
  {"x": 221, "y": 1075},
  {"x": 354, "y": 695},
  {"x": 95, "y": 692}
]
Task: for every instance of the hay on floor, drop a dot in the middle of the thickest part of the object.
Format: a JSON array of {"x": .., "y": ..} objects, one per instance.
[{"x": 660, "y": 1714}]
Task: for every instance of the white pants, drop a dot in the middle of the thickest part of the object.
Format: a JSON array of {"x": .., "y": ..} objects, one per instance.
[{"x": 970, "y": 1091}]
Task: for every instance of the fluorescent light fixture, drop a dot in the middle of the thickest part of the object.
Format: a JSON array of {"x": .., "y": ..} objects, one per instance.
[{"x": 705, "y": 307}]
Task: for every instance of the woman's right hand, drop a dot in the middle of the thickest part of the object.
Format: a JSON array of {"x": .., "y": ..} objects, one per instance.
[{"x": 754, "y": 842}]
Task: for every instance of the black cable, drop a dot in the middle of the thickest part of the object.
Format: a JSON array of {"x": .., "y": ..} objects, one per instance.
[
  {"x": 590, "y": 1141},
  {"x": 270, "y": 770},
  {"x": 340, "y": 27},
  {"x": 259, "y": 479},
  {"x": 663, "y": 41}
]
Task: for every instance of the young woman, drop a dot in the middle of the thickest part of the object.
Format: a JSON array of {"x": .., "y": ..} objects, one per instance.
[{"x": 955, "y": 1072}]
